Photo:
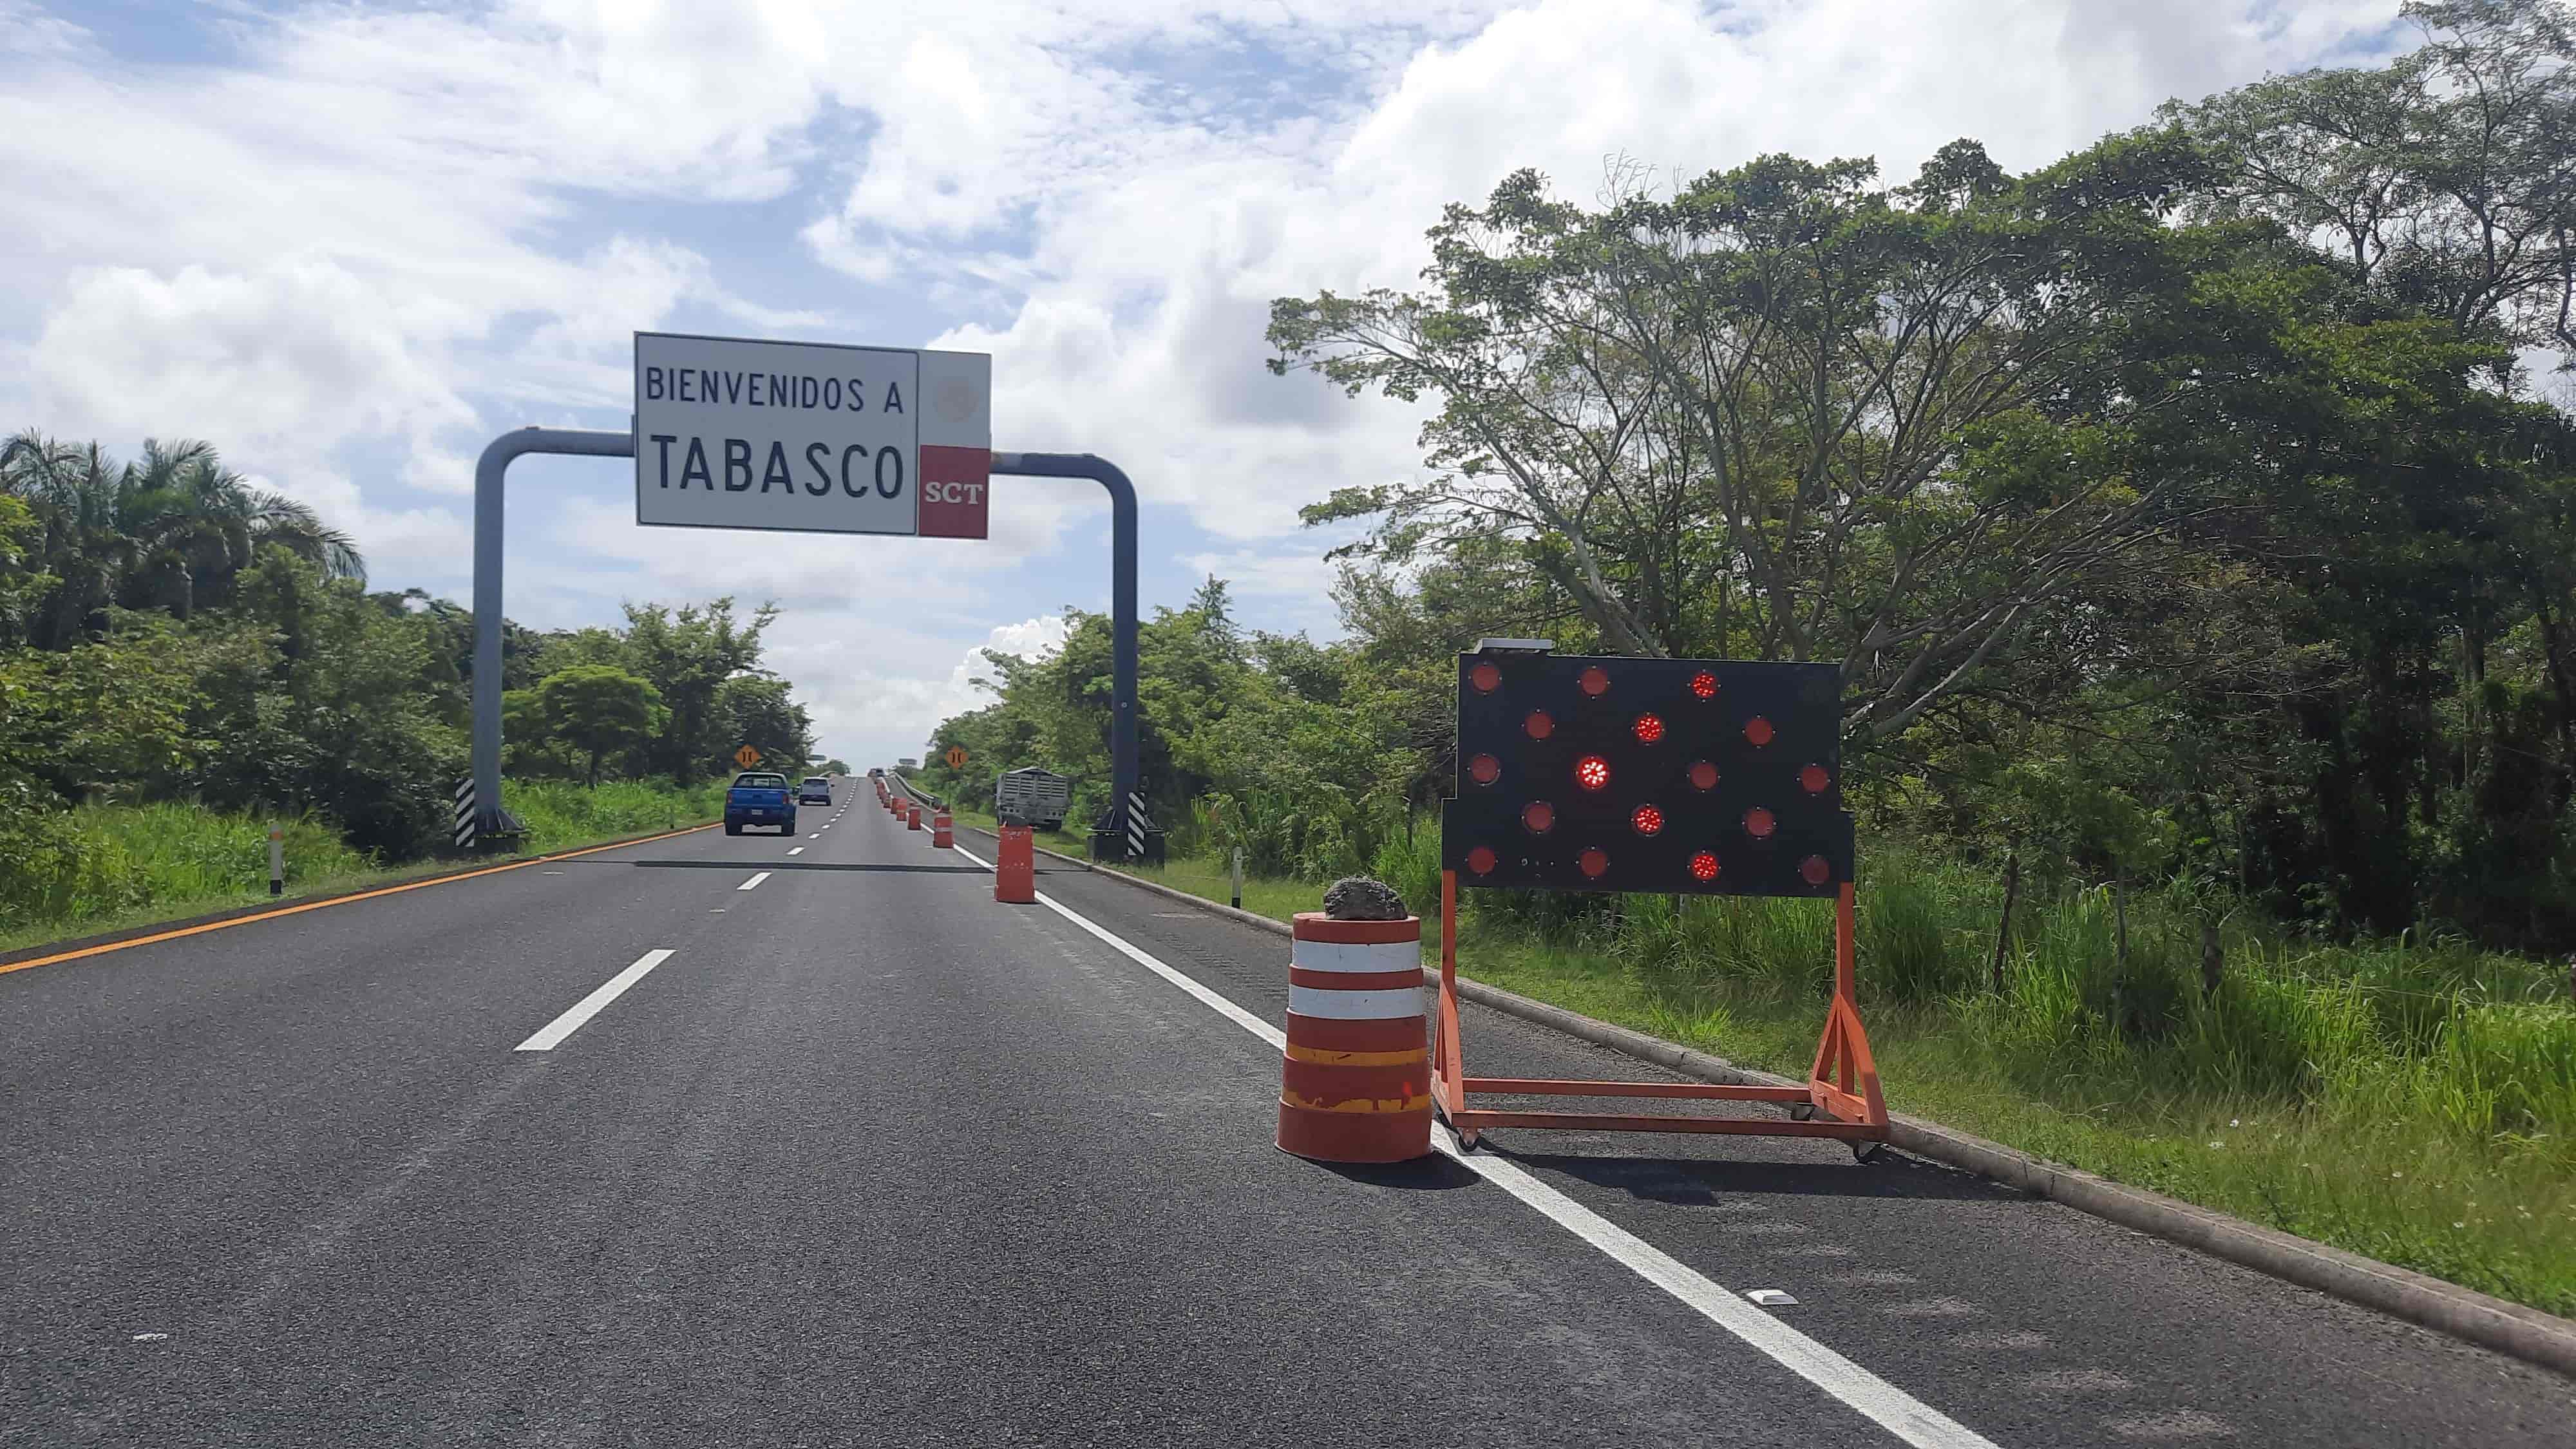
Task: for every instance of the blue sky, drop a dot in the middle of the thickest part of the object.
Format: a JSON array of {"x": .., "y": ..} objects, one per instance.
[{"x": 349, "y": 243}]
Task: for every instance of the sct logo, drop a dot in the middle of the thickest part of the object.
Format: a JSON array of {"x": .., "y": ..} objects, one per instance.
[{"x": 956, "y": 491}]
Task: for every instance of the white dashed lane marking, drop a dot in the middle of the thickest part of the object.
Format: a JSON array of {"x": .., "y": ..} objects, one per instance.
[{"x": 589, "y": 1006}]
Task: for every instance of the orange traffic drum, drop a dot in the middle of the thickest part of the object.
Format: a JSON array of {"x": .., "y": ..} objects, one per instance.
[{"x": 1356, "y": 1079}]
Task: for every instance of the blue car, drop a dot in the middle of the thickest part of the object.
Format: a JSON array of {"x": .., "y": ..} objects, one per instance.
[{"x": 759, "y": 797}]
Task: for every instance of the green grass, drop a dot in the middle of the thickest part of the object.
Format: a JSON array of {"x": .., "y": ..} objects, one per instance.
[
  {"x": 561, "y": 815},
  {"x": 2413, "y": 1100},
  {"x": 116, "y": 867},
  {"x": 1277, "y": 899}
]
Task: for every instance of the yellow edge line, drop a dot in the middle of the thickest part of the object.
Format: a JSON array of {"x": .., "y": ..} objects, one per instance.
[{"x": 393, "y": 890}]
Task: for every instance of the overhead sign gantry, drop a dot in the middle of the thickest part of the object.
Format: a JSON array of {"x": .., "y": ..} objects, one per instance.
[{"x": 805, "y": 437}]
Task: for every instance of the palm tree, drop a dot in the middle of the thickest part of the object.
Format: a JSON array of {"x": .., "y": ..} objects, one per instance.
[
  {"x": 171, "y": 530},
  {"x": 198, "y": 524},
  {"x": 72, "y": 492}
]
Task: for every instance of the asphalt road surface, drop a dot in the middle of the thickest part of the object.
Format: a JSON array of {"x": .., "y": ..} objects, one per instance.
[{"x": 629, "y": 1149}]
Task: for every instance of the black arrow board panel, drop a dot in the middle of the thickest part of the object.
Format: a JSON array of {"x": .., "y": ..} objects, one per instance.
[{"x": 1598, "y": 773}]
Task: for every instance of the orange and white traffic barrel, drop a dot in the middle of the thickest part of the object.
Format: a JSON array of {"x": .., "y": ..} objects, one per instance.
[
  {"x": 943, "y": 834},
  {"x": 912, "y": 818},
  {"x": 1015, "y": 867},
  {"x": 1356, "y": 1078}
]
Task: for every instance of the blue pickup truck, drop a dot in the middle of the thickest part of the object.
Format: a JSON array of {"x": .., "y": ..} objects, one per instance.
[{"x": 759, "y": 797}]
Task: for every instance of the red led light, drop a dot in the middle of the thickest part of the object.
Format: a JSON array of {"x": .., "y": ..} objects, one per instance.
[
  {"x": 1592, "y": 772},
  {"x": 1647, "y": 819},
  {"x": 1704, "y": 684},
  {"x": 1759, "y": 731},
  {"x": 1704, "y": 866},
  {"x": 1648, "y": 729},
  {"x": 1538, "y": 725},
  {"x": 1703, "y": 775},
  {"x": 1815, "y": 870},
  {"x": 1759, "y": 824},
  {"x": 1481, "y": 861},
  {"x": 1815, "y": 779},
  {"x": 1593, "y": 862},
  {"x": 1538, "y": 817},
  {"x": 1595, "y": 681},
  {"x": 1484, "y": 769},
  {"x": 1485, "y": 677}
]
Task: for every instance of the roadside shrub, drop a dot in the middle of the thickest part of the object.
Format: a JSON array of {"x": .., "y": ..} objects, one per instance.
[
  {"x": 1905, "y": 937},
  {"x": 563, "y": 813},
  {"x": 66, "y": 867},
  {"x": 1412, "y": 867}
]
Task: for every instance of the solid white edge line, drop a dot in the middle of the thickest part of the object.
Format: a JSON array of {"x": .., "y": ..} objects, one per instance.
[
  {"x": 1910, "y": 1419},
  {"x": 755, "y": 880},
  {"x": 589, "y": 1006}
]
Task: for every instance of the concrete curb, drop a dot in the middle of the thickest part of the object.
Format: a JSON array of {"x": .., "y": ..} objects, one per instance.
[
  {"x": 2527, "y": 1334},
  {"x": 282, "y": 904}
]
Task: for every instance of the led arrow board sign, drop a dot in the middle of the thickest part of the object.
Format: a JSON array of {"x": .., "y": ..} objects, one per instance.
[{"x": 1700, "y": 776}]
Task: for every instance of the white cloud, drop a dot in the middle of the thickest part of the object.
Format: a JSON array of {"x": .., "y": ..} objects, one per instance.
[
  {"x": 871, "y": 709},
  {"x": 29, "y": 32},
  {"x": 294, "y": 358},
  {"x": 365, "y": 223}
]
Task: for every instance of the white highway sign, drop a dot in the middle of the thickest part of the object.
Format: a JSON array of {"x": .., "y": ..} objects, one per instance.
[{"x": 811, "y": 437}]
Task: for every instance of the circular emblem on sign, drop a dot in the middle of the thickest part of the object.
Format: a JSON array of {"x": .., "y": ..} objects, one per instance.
[{"x": 956, "y": 399}]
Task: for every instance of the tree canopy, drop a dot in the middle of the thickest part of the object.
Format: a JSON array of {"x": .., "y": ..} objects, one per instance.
[{"x": 2184, "y": 508}]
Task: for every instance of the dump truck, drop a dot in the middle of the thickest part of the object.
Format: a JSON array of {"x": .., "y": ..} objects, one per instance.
[{"x": 1031, "y": 796}]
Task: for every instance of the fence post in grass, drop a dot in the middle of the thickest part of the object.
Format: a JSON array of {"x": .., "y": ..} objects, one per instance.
[
  {"x": 2003, "y": 927},
  {"x": 2120, "y": 925},
  {"x": 276, "y": 859},
  {"x": 1237, "y": 874}
]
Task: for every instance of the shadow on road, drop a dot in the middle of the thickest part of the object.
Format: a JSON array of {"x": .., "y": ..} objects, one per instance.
[
  {"x": 1435, "y": 1173},
  {"x": 749, "y": 863},
  {"x": 1697, "y": 1181}
]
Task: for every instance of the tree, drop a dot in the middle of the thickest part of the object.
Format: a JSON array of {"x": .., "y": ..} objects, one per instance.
[
  {"x": 757, "y": 710},
  {"x": 112, "y": 713},
  {"x": 598, "y": 709},
  {"x": 1786, "y": 413},
  {"x": 317, "y": 699},
  {"x": 22, "y": 578},
  {"x": 2446, "y": 179},
  {"x": 171, "y": 530},
  {"x": 687, "y": 654}
]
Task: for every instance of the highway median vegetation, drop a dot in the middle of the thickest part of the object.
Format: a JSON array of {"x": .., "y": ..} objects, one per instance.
[
  {"x": 185, "y": 658},
  {"x": 110, "y": 867},
  {"x": 2193, "y": 520}
]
